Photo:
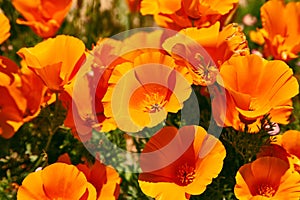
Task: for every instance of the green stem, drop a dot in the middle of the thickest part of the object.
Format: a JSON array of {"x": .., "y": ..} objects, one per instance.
[{"x": 52, "y": 130}]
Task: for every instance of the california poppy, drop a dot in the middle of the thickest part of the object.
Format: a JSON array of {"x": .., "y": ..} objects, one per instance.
[
  {"x": 55, "y": 60},
  {"x": 23, "y": 94},
  {"x": 219, "y": 46},
  {"x": 12, "y": 103},
  {"x": 135, "y": 100},
  {"x": 279, "y": 36},
  {"x": 5, "y": 27},
  {"x": 104, "y": 178},
  {"x": 43, "y": 16},
  {"x": 267, "y": 178},
  {"x": 56, "y": 181},
  {"x": 182, "y": 14},
  {"x": 252, "y": 92},
  {"x": 36, "y": 93},
  {"x": 82, "y": 97},
  {"x": 178, "y": 163}
]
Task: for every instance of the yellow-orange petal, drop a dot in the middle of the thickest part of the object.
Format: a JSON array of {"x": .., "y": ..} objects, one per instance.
[
  {"x": 32, "y": 187},
  {"x": 289, "y": 141},
  {"x": 257, "y": 37},
  {"x": 156, "y": 6},
  {"x": 162, "y": 190},
  {"x": 67, "y": 54},
  {"x": 111, "y": 188},
  {"x": 63, "y": 181},
  {"x": 210, "y": 163},
  {"x": 5, "y": 27},
  {"x": 90, "y": 193}
]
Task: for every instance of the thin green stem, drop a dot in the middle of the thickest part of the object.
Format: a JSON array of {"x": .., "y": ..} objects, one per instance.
[{"x": 51, "y": 131}]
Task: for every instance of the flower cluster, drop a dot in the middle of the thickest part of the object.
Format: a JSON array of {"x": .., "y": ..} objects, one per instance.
[{"x": 145, "y": 80}]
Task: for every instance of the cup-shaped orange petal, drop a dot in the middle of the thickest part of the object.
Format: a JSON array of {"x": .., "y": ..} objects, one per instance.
[
  {"x": 56, "y": 181},
  {"x": 55, "y": 60}
]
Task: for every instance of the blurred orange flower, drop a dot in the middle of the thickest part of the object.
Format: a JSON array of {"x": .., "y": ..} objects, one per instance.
[
  {"x": 135, "y": 100},
  {"x": 252, "y": 92},
  {"x": 280, "y": 36},
  {"x": 267, "y": 178},
  {"x": 5, "y": 27},
  {"x": 23, "y": 94},
  {"x": 220, "y": 46},
  {"x": 188, "y": 13},
  {"x": 178, "y": 163},
  {"x": 56, "y": 181},
  {"x": 43, "y": 16},
  {"x": 134, "y": 5},
  {"x": 55, "y": 60}
]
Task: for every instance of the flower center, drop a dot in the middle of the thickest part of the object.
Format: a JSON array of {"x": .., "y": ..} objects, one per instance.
[
  {"x": 185, "y": 175},
  {"x": 266, "y": 190},
  {"x": 149, "y": 98},
  {"x": 206, "y": 72},
  {"x": 154, "y": 102}
]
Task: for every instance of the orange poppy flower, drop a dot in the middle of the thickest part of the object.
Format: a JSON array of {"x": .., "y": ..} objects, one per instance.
[
  {"x": 55, "y": 60},
  {"x": 35, "y": 92},
  {"x": 267, "y": 178},
  {"x": 183, "y": 14},
  {"x": 12, "y": 102},
  {"x": 220, "y": 46},
  {"x": 105, "y": 179},
  {"x": 178, "y": 163},
  {"x": 280, "y": 36},
  {"x": 5, "y": 27},
  {"x": 82, "y": 97},
  {"x": 252, "y": 92},
  {"x": 44, "y": 17},
  {"x": 56, "y": 181},
  {"x": 23, "y": 94},
  {"x": 135, "y": 100}
]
